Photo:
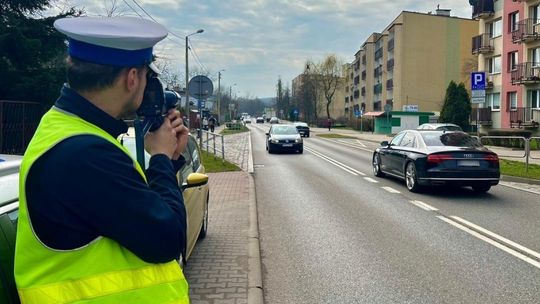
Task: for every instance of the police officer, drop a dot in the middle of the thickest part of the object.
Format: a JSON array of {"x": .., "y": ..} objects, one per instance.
[{"x": 93, "y": 227}]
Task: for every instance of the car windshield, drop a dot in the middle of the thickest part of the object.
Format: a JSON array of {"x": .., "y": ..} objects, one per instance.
[
  {"x": 454, "y": 139},
  {"x": 284, "y": 130}
]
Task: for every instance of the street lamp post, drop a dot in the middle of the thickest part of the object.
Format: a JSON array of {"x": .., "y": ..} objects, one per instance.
[
  {"x": 230, "y": 100},
  {"x": 187, "y": 76},
  {"x": 219, "y": 95}
]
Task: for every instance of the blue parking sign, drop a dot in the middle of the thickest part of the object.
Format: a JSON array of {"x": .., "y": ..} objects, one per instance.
[{"x": 478, "y": 81}]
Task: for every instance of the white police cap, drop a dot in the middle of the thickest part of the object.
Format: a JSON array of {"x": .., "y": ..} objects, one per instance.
[{"x": 117, "y": 41}]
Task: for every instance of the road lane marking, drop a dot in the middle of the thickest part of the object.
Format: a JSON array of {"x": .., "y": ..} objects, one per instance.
[
  {"x": 390, "y": 189},
  {"x": 491, "y": 242},
  {"x": 330, "y": 161},
  {"x": 498, "y": 237},
  {"x": 371, "y": 180},
  {"x": 336, "y": 163},
  {"x": 349, "y": 145},
  {"x": 423, "y": 206},
  {"x": 361, "y": 144}
]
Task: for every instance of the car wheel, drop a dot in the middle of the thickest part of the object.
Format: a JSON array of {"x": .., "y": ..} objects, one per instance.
[
  {"x": 270, "y": 151},
  {"x": 204, "y": 227},
  {"x": 377, "y": 166},
  {"x": 307, "y": 135},
  {"x": 411, "y": 178},
  {"x": 482, "y": 188},
  {"x": 301, "y": 151}
]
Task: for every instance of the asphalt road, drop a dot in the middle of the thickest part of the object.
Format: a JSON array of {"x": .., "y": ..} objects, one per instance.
[{"x": 331, "y": 232}]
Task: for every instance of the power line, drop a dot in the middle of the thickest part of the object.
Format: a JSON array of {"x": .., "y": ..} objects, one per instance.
[{"x": 133, "y": 9}]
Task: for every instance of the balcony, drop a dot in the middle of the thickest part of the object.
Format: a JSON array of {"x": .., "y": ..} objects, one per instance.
[
  {"x": 363, "y": 91},
  {"x": 378, "y": 53},
  {"x": 489, "y": 82},
  {"x": 377, "y": 72},
  {"x": 390, "y": 65},
  {"x": 484, "y": 116},
  {"x": 377, "y": 89},
  {"x": 363, "y": 75},
  {"x": 364, "y": 59},
  {"x": 526, "y": 73},
  {"x": 524, "y": 117},
  {"x": 483, "y": 9},
  {"x": 527, "y": 30},
  {"x": 389, "y": 84},
  {"x": 356, "y": 94},
  {"x": 356, "y": 80},
  {"x": 482, "y": 44},
  {"x": 390, "y": 44}
]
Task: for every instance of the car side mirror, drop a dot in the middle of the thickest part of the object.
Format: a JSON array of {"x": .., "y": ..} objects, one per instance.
[
  {"x": 384, "y": 143},
  {"x": 195, "y": 180},
  {"x": 267, "y": 134}
]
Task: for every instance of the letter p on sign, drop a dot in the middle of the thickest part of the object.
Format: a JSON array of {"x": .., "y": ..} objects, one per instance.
[{"x": 478, "y": 81}]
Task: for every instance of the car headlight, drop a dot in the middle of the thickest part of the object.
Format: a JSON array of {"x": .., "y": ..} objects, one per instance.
[
  {"x": 298, "y": 140},
  {"x": 275, "y": 141}
]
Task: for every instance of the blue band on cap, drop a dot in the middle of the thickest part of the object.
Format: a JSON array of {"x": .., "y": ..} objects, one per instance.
[{"x": 109, "y": 56}]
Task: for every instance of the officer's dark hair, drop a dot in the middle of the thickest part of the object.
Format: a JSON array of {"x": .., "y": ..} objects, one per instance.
[{"x": 86, "y": 76}]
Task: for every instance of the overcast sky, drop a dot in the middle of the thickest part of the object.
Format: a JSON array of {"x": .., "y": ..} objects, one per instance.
[{"x": 258, "y": 41}]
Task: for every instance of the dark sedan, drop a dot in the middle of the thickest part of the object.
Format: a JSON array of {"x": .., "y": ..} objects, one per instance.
[
  {"x": 284, "y": 138},
  {"x": 435, "y": 158},
  {"x": 302, "y": 128}
]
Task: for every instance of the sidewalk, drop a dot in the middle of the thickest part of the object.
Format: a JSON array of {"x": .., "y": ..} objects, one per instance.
[{"x": 225, "y": 267}]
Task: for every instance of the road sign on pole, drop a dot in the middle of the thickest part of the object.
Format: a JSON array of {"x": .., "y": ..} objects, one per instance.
[{"x": 478, "y": 81}]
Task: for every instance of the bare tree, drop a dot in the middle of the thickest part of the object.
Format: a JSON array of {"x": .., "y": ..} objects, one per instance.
[
  {"x": 330, "y": 71},
  {"x": 112, "y": 8}
]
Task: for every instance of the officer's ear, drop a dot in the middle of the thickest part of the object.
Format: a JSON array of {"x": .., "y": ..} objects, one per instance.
[{"x": 133, "y": 77}]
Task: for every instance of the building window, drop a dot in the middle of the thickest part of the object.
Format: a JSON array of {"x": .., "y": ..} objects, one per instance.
[
  {"x": 513, "y": 19},
  {"x": 494, "y": 64},
  {"x": 535, "y": 55},
  {"x": 535, "y": 13},
  {"x": 533, "y": 99},
  {"x": 512, "y": 101},
  {"x": 512, "y": 61},
  {"x": 494, "y": 28},
  {"x": 494, "y": 101}
]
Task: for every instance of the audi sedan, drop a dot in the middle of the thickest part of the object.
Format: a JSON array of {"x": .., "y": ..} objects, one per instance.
[
  {"x": 436, "y": 158},
  {"x": 284, "y": 138}
]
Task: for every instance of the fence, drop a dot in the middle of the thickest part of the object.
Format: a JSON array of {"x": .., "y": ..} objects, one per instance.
[
  {"x": 18, "y": 123},
  {"x": 524, "y": 145},
  {"x": 211, "y": 137}
]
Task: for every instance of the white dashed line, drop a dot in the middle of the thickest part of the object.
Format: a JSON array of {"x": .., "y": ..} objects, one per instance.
[
  {"x": 423, "y": 206},
  {"x": 371, "y": 180},
  {"x": 391, "y": 190}
]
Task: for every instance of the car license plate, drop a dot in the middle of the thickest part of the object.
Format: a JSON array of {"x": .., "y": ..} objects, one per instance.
[
  {"x": 287, "y": 145},
  {"x": 468, "y": 163}
]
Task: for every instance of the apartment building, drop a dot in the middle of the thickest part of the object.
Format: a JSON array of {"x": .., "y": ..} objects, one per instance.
[
  {"x": 408, "y": 66},
  {"x": 508, "y": 50}
]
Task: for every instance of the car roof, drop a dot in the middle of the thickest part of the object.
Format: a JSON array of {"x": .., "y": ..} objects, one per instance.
[{"x": 439, "y": 124}]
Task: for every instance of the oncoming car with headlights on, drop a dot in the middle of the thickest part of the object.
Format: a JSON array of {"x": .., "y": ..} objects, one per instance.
[{"x": 284, "y": 138}]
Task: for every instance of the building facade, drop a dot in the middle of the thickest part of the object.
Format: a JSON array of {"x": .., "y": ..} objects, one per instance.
[
  {"x": 408, "y": 66},
  {"x": 508, "y": 50}
]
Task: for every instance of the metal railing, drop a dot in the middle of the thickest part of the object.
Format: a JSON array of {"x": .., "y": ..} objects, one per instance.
[
  {"x": 524, "y": 143},
  {"x": 526, "y": 73},
  {"x": 482, "y": 44},
  {"x": 209, "y": 143}
]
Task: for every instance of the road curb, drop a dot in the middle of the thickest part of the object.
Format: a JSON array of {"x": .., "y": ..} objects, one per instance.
[
  {"x": 250, "y": 155},
  {"x": 508, "y": 178},
  {"x": 255, "y": 289}
]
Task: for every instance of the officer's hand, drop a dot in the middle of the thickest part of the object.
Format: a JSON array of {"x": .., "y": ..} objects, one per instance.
[
  {"x": 182, "y": 133},
  {"x": 161, "y": 141}
]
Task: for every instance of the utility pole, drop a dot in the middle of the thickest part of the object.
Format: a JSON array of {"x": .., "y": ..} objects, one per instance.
[
  {"x": 219, "y": 96},
  {"x": 187, "y": 76}
]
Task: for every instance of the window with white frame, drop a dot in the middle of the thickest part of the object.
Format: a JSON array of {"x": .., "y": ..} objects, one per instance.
[
  {"x": 512, "y": 61},
  {"x": 494, "y": 28},
  {"x": 535, "y": 56},
  {"x": 493, "y": 100},
  {"x": 514, "y": 19},
  {"x": 533, "y": 99},
  {"x": 512, "y": 101},
  {"x": 535, "y": 13},
  {"x": 494, "y": 64}
]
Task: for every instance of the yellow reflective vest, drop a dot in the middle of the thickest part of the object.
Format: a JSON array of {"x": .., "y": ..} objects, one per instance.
[{"x": 100, "y": 272}]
